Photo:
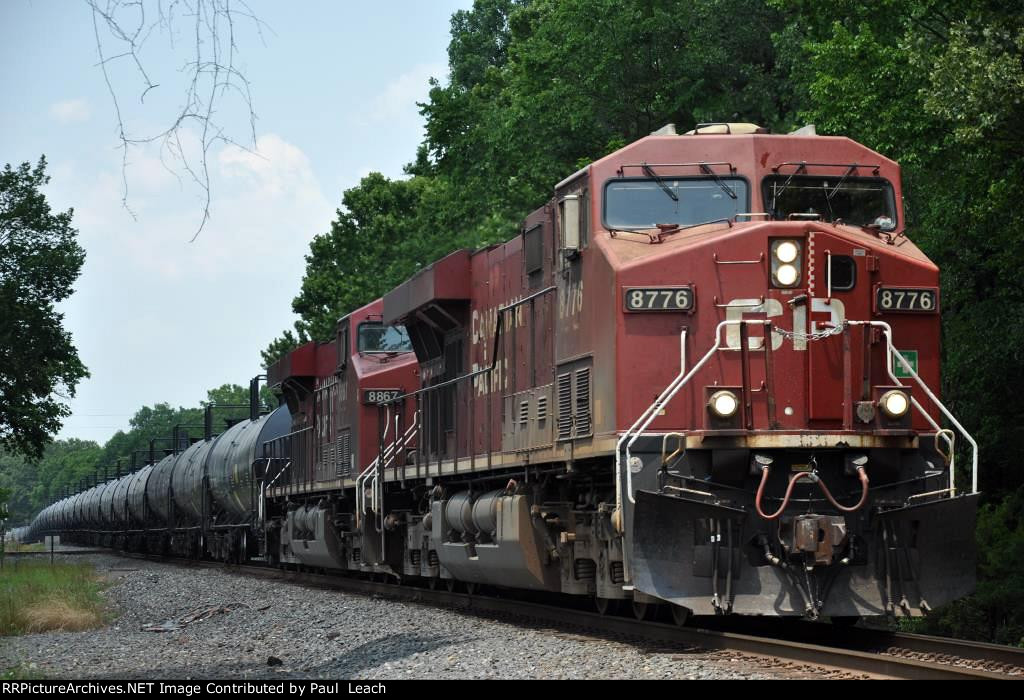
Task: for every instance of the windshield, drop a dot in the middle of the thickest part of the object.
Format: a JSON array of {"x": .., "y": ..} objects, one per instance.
[
  {"x": 637, "y": 203},
  {"x": 860, "y": 201},
  {"x": 376, "y": 337}
]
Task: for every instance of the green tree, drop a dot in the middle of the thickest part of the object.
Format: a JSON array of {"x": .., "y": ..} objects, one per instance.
[
  {"x": 940, "y": 88},
  {"x": 558, "y": 83},
  {"x": 387, "y": 230},
  {"x": 283, "y": 344},
  {"x": 39, "y": 261},
  {"x": 534, "y": 93}
]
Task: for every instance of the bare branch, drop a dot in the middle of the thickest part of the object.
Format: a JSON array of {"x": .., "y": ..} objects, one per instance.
[{"x": 211, "y": 78}]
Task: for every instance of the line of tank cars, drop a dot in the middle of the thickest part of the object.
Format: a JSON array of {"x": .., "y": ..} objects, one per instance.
[
  {"x": 200, "y": 499},
  {"x": 699, "y": 377}
]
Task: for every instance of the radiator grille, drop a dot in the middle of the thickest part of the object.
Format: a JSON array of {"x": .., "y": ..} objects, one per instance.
[
  {"x": 583, "y": 402},
  {"x": 343, "y": 465},
  {"x": 565, "y": 406}
]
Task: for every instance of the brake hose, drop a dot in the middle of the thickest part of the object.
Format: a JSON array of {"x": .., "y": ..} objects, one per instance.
[{"x": 821, "y": 484}]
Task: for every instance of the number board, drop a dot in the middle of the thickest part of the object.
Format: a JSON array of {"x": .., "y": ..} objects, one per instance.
[
  {"x": 375, "y": 396},
  {"x": 907, "y": 300},
  {"x": 658, "y": 298}
]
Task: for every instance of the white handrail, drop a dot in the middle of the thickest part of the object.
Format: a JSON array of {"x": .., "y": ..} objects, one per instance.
[
  {"x": 278, "y": 475},
  {"x": 648, "y": 416},
  {"x": 618, "y": 446},
  {"x": 887, "y": 332},
  {"x": 385, "y": 458}
]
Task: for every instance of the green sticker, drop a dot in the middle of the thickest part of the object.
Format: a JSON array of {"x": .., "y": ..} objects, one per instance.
[{"x": 911, "y": 357}]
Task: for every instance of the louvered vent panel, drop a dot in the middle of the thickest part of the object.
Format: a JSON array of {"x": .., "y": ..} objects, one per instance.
[
  {"x": 542, "y": 408},
  {"x": 565, "y": 406},
  {"x": 344, "y": 463},
  {"x": 524, "y": 412},
  {"x": 583, "y": 402}
]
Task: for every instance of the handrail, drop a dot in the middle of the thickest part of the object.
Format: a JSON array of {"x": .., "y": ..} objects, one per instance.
[
  {"x": 278, "y": 475},
  {"x": 648, "y": 416},
  {"x": 370, "y": 469},
  {"x": 699, "y": 164},
  {"x": 378, "y": 465},
  {"x": 887, "y": 332},
  {"x": 802, "y": 166}
]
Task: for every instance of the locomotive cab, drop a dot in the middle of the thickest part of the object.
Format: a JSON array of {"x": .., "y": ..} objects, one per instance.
[{"x": 334, "y": 390}]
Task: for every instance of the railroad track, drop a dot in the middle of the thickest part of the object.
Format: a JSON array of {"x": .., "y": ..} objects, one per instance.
[{"x": 859, "y": 652}]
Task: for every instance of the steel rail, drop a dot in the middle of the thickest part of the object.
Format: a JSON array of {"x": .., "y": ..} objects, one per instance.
[{"x": 840, "y": 654}]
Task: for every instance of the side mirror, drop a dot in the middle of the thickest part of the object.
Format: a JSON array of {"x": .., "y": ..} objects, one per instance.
[{"x": 569, "y": 221}]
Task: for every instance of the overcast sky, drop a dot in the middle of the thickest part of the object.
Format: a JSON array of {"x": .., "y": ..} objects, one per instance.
[{"x": 156, "y": 318}]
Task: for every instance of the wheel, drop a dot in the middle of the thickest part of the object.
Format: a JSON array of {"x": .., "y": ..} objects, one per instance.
[
  {"x": 680, "y": 615},
  {"x": 606, "y": 606},
  {"x": 641, "y": 610}
]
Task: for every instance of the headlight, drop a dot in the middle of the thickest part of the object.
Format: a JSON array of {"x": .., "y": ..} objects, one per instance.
[
  {"x": 723, "y": 403},
  {"x": 894, "y": 404},
  {"x": 786, "y": 275},
  {"x": 786, "y": 262},
  {"x": 786, "y": 251}
]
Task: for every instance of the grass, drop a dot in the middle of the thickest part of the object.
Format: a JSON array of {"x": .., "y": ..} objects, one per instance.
[
  {"x": 39, "y": 597},
  {"x": 21, "y": 673},
  {"x": 19, "y": 547}
]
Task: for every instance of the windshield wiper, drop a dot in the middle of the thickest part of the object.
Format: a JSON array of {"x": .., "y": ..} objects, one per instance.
[
  {"x": 725, "y": 188},
  {"x": 850, "y": 171},
  {"x": 649, "y": 172}
]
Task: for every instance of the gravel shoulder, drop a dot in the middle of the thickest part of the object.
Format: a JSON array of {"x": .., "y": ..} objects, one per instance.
[{"x": 221, "y": 625}]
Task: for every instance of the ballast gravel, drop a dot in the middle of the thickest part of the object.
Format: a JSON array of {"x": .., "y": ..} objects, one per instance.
[{"x": 173, "y": 622}]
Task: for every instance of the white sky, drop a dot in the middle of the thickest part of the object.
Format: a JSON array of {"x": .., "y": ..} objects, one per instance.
[{"x": 156, "y": 318}]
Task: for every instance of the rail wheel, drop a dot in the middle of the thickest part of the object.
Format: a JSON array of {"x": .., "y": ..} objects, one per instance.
[
  {"x": 680, "y": 615},
  {"x": 606, "y": 606},
  {"x": 450, "y": 584},
  {"x": 642, "y": 610}
]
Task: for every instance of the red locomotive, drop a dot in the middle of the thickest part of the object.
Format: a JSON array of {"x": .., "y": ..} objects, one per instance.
[
  {"x": 701, "y": 376},
  {"x": 678, "y": 384}
]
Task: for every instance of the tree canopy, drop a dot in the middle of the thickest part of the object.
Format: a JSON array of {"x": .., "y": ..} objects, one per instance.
[{"x": 40, "y": 259}]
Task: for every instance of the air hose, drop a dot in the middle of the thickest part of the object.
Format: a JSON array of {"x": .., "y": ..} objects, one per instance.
[{"x": 821, "y": 484}]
